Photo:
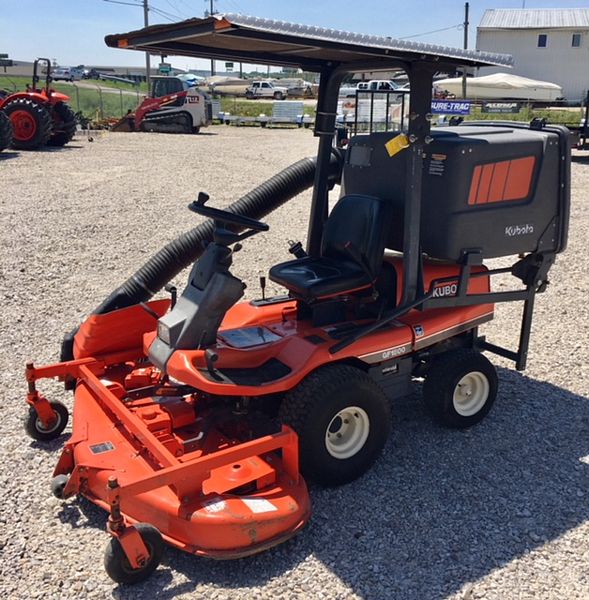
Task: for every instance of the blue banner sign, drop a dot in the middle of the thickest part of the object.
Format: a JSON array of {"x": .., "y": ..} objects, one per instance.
[{"x": 451, "y": 107}]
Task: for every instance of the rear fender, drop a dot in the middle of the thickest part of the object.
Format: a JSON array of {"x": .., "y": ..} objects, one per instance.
[{"x": 37, "y": 97}]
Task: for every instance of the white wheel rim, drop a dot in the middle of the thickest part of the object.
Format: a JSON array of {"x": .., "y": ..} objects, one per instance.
[
  {"x": 471, "y": 394},
  {"x": 40, "y": 427},
  {"x": 347, "y": 432}
]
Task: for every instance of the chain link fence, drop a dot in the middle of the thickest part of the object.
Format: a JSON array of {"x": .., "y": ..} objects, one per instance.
[{"x": 93, "y": 100}]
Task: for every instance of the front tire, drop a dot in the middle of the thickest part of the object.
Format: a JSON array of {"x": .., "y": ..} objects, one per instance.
[
  {"x": 342, "y": 418},
  {"x": 35, "y": 428},
  {"x": 117, "y": 564},
  {"x": 460, "y": 388},
  {"x": 64, "y": 125}
]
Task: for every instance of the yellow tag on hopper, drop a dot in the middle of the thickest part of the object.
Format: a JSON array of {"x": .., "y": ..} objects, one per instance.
[{"x": 396, "y": 144}]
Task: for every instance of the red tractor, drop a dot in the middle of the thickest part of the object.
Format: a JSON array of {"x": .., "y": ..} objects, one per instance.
[{"x": 39, "y": 117}]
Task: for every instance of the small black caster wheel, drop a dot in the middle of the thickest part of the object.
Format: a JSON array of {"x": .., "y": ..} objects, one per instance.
[
  {"x": 58, "y": 484},
  {"x": 35, "y": 429},
  {"x": 117, "y": 564}
]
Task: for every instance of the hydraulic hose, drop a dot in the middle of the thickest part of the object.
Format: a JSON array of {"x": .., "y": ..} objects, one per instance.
[{"x": 178, "y": 254}]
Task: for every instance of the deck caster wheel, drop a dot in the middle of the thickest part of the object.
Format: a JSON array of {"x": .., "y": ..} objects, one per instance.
[
  {"x": 117, "y": 564},
  {"x": 58, "y": 484},
  {"x": 342, "y": 418},
  {"x": 460, "y": 388},
  {"x": 35, "y": 428}
]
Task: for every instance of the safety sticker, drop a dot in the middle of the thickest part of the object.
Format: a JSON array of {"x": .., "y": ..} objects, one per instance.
[
  {"x": 259, "y": 505},
  {"x": 214, "y": 505},
  {"x": 101, "y": 448},
  {"x": 396, "y": 144}
]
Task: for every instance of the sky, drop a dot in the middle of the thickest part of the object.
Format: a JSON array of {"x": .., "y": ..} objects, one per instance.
[{"x": 72, "y": 31}]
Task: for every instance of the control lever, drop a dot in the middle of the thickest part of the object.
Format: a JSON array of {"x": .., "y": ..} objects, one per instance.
[
  {"x": 263, "y": 286},
  {"x": 173, "y": 291},
  {"x": 211, "y": 357}
]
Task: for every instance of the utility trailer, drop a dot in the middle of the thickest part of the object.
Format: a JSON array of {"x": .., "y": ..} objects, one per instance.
[{"x": 196, "y": 417}]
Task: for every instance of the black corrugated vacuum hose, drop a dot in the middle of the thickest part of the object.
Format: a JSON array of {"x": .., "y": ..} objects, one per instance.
[{"x": 185, "y": 249}]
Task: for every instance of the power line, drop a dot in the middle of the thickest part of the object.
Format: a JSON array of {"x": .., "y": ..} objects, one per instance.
[
  {"x": 125, "y": 3},
  {"x": 165, "y": 14},
  {"x": 407, "y": 37},
  {"x": 176, "y": 8}
]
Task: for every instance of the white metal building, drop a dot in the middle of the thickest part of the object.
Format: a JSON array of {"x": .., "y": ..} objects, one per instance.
[{"x": 546, "y": 44}]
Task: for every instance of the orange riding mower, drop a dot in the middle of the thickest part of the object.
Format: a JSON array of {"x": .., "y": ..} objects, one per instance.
[{"x": 196, "y": 417}]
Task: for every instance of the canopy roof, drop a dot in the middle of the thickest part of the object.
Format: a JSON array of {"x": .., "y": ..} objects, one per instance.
[{"x": 265, "y": 41}]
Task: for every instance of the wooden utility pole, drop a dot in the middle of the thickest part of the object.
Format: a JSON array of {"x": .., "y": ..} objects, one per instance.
[
  {"x": 465, "y": 27},
  {"x": 147, "y": 59}
]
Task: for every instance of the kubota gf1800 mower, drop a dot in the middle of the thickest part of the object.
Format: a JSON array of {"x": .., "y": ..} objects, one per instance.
[
  {"x": 195, "y": 417},
  {"x": 39, "y": 117}
]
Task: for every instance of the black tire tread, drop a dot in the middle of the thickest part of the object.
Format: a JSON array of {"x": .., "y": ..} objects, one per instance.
[
  {"x": 296, "y": 409},
  {"x": 43, "y": 118},
  {"x": 441, "y": 380},
  {"x": 117, "y": 565},
  {"x": 65, "y": 128},
  {"x": 5, "y": 131},
  {"x": 30, "y": 423}
]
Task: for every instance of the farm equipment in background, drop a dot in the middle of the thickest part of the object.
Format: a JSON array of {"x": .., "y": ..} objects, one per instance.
[
  {"x": 173, "y": 106},
  {"x": 39, "y": 117},
  {"x": 196, "y": 417}
]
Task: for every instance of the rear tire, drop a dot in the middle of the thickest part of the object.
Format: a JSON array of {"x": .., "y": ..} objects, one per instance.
[
  {"x": 342, "y": 418},
  {"x": 31, "y": 123},
  {"x": 64, "y": 125},
  {"x": 460, "y": 388},
  {"x": 278, "y": 95},
  {"x": 5, "y": 131}
]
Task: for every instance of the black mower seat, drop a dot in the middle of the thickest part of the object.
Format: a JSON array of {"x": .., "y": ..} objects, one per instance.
[{"x": 352, "y": 250}]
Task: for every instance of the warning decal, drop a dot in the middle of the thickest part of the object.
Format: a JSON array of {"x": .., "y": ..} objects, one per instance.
[{"x": 259, "y": 505}]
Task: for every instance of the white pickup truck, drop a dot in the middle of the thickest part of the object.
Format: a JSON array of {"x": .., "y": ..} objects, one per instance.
[
  {"x": 374, "y": 84},
  {"x": 265, "y": 89}
]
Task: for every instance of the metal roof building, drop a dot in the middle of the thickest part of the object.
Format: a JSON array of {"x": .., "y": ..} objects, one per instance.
[
  {"x": 546, "y": 44},
  {"x": 552, "y": 18}
]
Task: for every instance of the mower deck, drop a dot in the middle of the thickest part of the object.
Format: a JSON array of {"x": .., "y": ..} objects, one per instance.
[{"x": 207, "y": 492}]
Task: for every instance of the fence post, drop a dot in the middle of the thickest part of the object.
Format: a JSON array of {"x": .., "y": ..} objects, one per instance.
[
  {"x": 121, "y": 98},
  {"x": 77, "y": 97},
  {"x": 101, "y": 106}
]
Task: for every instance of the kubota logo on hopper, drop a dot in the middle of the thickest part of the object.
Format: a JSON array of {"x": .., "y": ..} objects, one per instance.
[{"x": 513, "y": 230}]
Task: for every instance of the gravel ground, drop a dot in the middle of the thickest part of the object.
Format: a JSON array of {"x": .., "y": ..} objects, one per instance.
[{"x": 497, "y": 512}]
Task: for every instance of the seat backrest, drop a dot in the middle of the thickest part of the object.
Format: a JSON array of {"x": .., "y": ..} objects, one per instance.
[{"x": 362, "y": 221}]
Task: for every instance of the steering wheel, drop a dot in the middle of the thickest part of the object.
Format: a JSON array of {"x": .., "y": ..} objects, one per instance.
[{"x": 227, "y": 217}]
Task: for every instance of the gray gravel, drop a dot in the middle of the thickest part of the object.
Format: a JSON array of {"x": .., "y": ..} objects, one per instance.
[{"x": 497, "y": 512}]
